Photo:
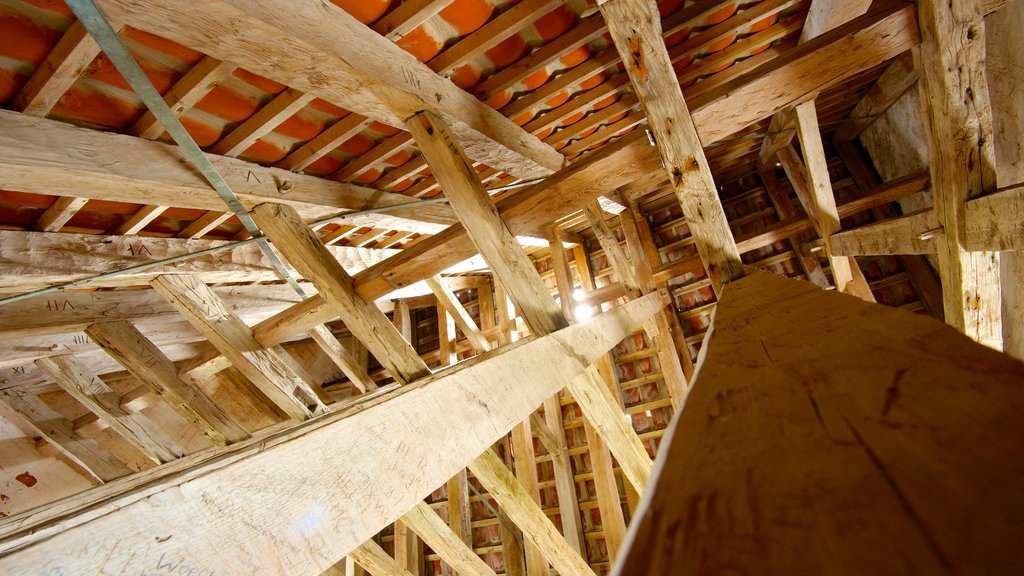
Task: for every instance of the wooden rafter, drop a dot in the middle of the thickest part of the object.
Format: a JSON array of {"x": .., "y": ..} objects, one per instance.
[{"x": 636, "y": 31}]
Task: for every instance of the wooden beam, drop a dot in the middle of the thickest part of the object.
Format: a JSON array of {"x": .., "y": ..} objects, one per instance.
[
  {"x": 282, "y": 107},
  {"x": 38, "y": 259},
  {"x": 144, "y": 360},
  {"x": 56, "y": 430},
  {"x": 511, "y": 496},
  {"x": 517, "y": 274},
  {"x": 1002, "y": 65},
  {"x": 819, "y": 201},
  {"x": 910, "y": 234},
  {"x": 899, "y": 76},
  {"x": 348, "y": 364},
  {"x": 376, "y": 560},
  {"x": 636, "y": 30},
  {"x": 525, "y": 466},
  {"x": 867, "y": 41},
  {"x": 447, "y": 299},
  {"x": 58, "y": 214},
  {"x": 265, "y": 368},
  {"x": 478, "y": 215},
  {"x": 455, "y": 551},
  {"x": 75, "y": 50},
  {"x": 95, "y": 395},
  {"x": 961, "y": 158},
  {"x": 408, "y": 16},
  {"x": 308, "y": 254},
  {"x": 399, "y": 423},
  {"x": 785, "y": 210},
  {"x": 185, "y": 94},
  {"x": 389, "y": 87},
  {"x": 322, "y": 145},
  {"x": 49, "y": 157},
  {"x": 884, "y": 466}
]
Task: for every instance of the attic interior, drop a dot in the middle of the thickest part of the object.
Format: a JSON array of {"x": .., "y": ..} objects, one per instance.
[{"x": 576, "y": 287}]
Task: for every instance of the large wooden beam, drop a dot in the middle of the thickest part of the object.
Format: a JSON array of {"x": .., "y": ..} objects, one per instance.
[
  {"x": 961, "y": 158},
  {"x": 265, "y": 368},
  {"x": 50, "y": 157},
  {"x": 357, "y": 69},
  {"x": 899, "y": 76},
  {"x": 886, "y": 447},
  {"x": 326, "y": 506},
  {"x": 635, "y": 27}
]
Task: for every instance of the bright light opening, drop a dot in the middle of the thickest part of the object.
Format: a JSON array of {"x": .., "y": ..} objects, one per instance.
[
  {"x": 584, "y": 312},
  {"x": 578, "y": 295}
]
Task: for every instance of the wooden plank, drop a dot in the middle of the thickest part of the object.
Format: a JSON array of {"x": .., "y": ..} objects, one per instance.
[
  {"x": 498, "y": 29},
  {"x": 374, "y": 559},
  {"x": 63, "y": 65},
  {"x": 212, "y": 317},
  {"x": 204, "y": 224},
  {"x": 447, "y": 299},
  {"x": 836, "y": 464},
  {"x": 144, "y": 360},
  {"x": 308, "y": 254},
  {"x": 910, "y": 234},
  {"x": 348, "y": 364},
  {"x": 325, "y": 142},
  {"x": 95, "y": 395},
  {"x": 899, "y": 76},
  {"x": 56, "y": 430},
  {"x": 961, "y": 158},
  {"x": 185, "y": 94},
  {"x": 58, "y": 214},
  {"x": 525, "y": 466},
  {"x": 279, "y": 39},
  {"x": 408, "y": 16},
  {"x": 49, "y": 157},
  {"x": 511, "y": 496},
  {"x": 636, "y": 30},
  {"x": 408, "y": 548},
  {"x": 392, "y": 427},
  {"x": 282, "y": 107},
  {"x": 479, "y": 216},
  {"x": 142, "y": 217},
  {"x": 995, "y": 222},
  {"x": 445, "y": 542}
]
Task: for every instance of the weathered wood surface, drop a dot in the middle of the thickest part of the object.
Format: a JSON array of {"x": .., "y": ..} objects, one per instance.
[
  {"x": 357, "y": 68},
  {"x": 825, "y": 435},
  {"x": 961, "y": 157},
  {"x": 322, "y": 506},
  {"x": 51, "y": 157}
]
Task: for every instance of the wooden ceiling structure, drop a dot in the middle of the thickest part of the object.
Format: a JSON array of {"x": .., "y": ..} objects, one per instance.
[{"x": 511, "y": 223}]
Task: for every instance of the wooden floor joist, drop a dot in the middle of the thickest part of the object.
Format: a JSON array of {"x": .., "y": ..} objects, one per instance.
[
  {"x": 323, "y": 507},
  {"x": 836, "y": 464}
]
